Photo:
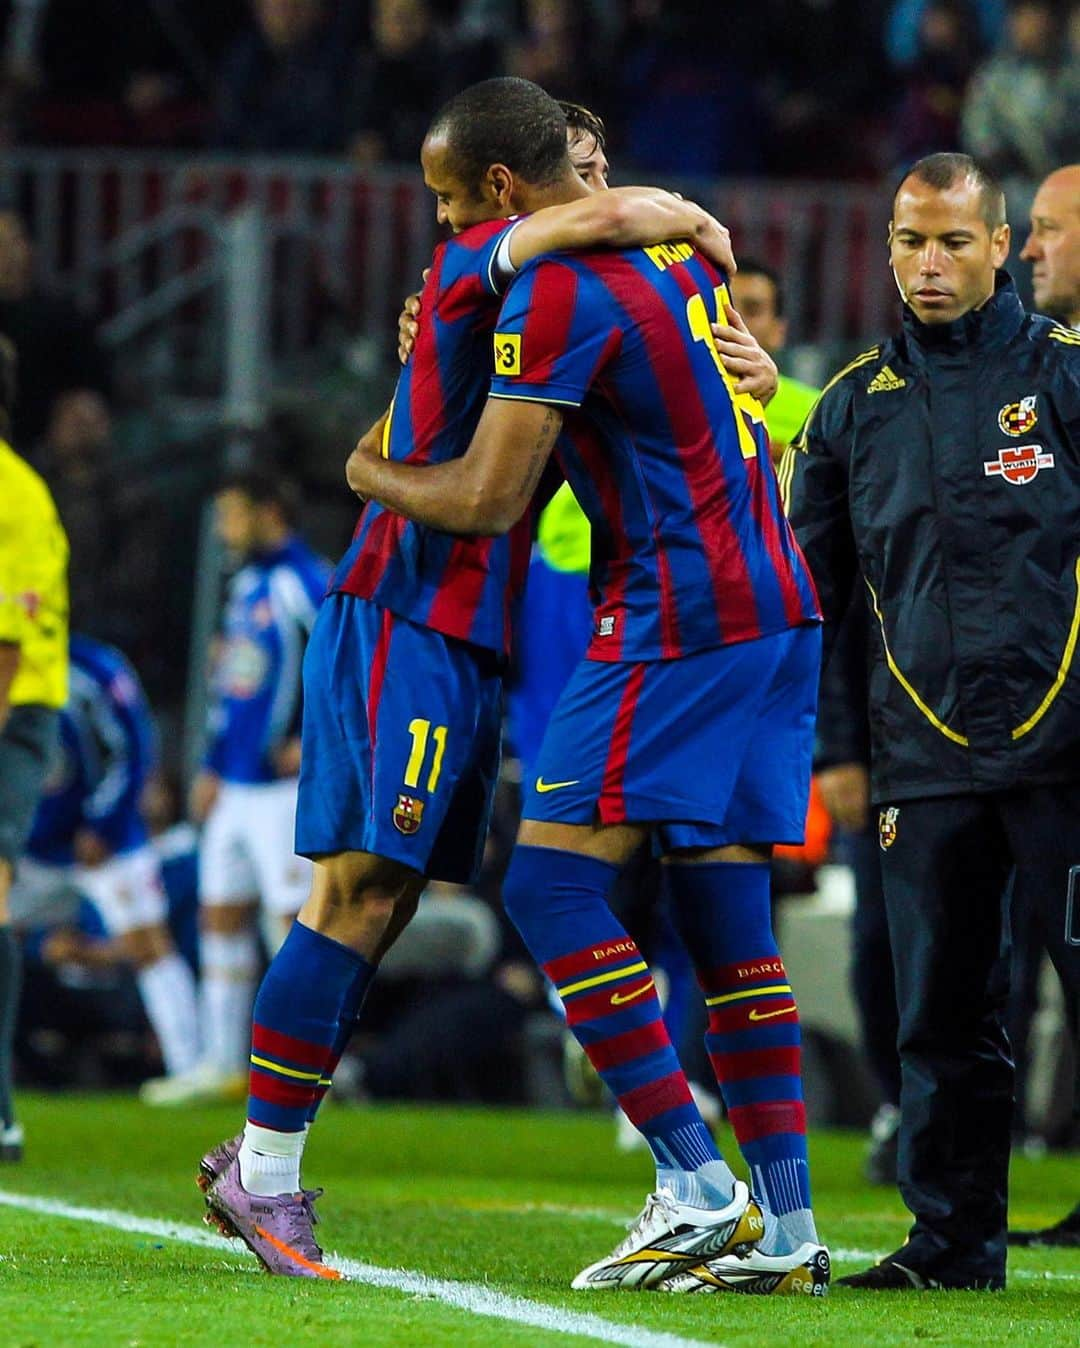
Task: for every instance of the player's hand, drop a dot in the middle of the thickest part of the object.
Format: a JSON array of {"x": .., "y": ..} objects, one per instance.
[
  {"x": 90, "y": 849},
  {"x": 749, "y": 364},
  {"x": 408, "y": 327},
  {"x": 367, "y": 451},
  {"x": 713, "y": 240},
  {"x": 845, "y": 793},
  {"x": 203, "y": 795},
  {"x": 287, "y": 758}
]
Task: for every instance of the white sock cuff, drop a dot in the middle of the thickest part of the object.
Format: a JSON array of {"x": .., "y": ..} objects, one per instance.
[{"x": 269, "y": 1142}]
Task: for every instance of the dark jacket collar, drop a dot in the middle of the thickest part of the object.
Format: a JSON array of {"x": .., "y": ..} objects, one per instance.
[{"x": 994, "y": 324}]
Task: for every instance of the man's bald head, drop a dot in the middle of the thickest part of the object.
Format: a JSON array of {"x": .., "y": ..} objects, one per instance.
[{"x": 1053, "y": 246}]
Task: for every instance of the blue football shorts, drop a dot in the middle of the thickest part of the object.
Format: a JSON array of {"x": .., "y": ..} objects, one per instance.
[
  {"x": 401, "y": 735},
  {"x": 712, "y": 748}
]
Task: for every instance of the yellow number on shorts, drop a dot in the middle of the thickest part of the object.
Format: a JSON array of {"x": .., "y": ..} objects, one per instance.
[
  {"x": 701, "y": 330},
  {"x": 420, "y": 729}
]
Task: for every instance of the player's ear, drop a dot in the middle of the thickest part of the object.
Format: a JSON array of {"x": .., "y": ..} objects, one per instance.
[{"x": 500, "y": 183}]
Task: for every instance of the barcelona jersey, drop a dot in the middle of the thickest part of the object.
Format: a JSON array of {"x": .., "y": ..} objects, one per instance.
[
  {"x": 464, "y": 587},
  {"x": 691, "y": 549}
]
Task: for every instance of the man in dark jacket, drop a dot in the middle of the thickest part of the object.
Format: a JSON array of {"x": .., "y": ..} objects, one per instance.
[
  {"x": 842, "y": 772},
  {"x": 945, "y": 466}
]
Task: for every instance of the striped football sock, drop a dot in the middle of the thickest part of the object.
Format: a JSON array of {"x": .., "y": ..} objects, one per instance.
[
  {"x": 753, "y": 1038},
  {"x": 296, "y": 1028},
  {"x": 347, "y": 1018},
  {"x": 557, "y": 900}
]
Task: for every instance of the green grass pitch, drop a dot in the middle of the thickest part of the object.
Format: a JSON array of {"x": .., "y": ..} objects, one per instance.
[{"x": 515, "y": 1202}]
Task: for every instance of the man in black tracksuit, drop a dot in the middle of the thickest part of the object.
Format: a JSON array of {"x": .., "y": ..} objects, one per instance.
[
  {"x": 842, "y": 774},
  {"x": 944, "y": 466}
]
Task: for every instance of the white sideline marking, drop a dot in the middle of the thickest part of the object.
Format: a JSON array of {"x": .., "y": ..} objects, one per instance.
[{"x": 467, "y": 1296}]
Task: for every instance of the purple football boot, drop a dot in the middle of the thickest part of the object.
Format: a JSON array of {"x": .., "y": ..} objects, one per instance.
[
  {"x": 279, "y": 1231},
  {"x": 217, "y": 1160}
]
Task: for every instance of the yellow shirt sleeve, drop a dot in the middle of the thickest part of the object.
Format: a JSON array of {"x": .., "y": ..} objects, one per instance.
[
  {"x": 33, "y": 583},
  {"x": 13, "y": 614}
]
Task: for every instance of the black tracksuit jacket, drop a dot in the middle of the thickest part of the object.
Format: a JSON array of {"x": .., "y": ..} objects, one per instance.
[{"x": 944, "y": 466}]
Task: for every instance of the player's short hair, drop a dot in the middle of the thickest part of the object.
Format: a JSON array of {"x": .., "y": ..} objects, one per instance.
[
  {"x": 9, "y": 381},
  {"x": 751, "y": 266},
  {"x": 583, "y": 120},
  {"x": 264, "y": 488},
  {"x": 942, "y": 171},
  {"x": 505, "y": 121}
]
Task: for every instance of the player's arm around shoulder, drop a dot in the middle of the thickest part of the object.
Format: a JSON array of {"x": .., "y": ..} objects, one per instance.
[{"x": 624, "y": 217}]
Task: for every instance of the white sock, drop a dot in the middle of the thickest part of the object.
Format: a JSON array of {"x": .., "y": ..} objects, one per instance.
[
  {"x": 775, "y": 1240},
  {"x": 270, "y": 1161},
  {"x": 711, "y": 1186},
  {"x": 226, "y": 994},
  {"x": 799, "y": 1227},
  {"x": 167, "y": 988}
]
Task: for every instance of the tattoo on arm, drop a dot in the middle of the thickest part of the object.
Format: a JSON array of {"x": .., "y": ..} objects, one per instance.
[{"x": 541, "y": 450}]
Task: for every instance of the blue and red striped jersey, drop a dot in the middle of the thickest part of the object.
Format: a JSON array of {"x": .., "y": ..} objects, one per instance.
[
  {"x": 691, "y": 548},
  {"x": 465, "y": 587}
]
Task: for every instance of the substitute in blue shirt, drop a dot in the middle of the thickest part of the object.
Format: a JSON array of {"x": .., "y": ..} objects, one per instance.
[
  {"x": 245, "y": 794},
  {"x": 89, "y": 838}
]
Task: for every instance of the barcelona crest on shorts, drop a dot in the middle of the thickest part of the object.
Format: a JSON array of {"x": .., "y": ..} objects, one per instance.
[
  {"x": 887, "y": 826},
  {"x": 408, "y": 814},
  {"x": 1018, "y": 418}
]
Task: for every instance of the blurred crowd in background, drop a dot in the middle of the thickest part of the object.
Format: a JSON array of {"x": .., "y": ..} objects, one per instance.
[
  {"x": 808, "y": 88},
  {"x": 827, "y": 90}
]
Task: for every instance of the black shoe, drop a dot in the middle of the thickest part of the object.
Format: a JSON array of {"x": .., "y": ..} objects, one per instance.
[
  {"x": 1064, "y": 1236},
  {"x": 893, "y": 1274},
  {"x": 880, "y": 1165}
]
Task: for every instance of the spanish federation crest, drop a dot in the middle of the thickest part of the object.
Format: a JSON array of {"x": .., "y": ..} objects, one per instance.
[
  {"x": 887, "y": 826},
  {"x": 1018, "y": 418},
  {"x": 408, "y": 814}
]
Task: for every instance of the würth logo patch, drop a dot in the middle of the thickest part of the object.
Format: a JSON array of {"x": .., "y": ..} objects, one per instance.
[{"x": 1019, "y": 465}]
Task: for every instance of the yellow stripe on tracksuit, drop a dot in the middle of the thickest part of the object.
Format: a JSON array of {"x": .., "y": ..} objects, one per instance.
[
  {"x": 748, "y": 992},
  {"x": 600, "y": 979},
  {"x": 897, "y": 674},
  {"x": 786, "y": 471},
  {"x": 1063, "y": 668},
  {"x": 1021, "y": 730},
  {"x": 285, "y": 1071}
]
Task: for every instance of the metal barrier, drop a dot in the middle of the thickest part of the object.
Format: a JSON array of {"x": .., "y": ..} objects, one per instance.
[{"x": 136, "y": 239}]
